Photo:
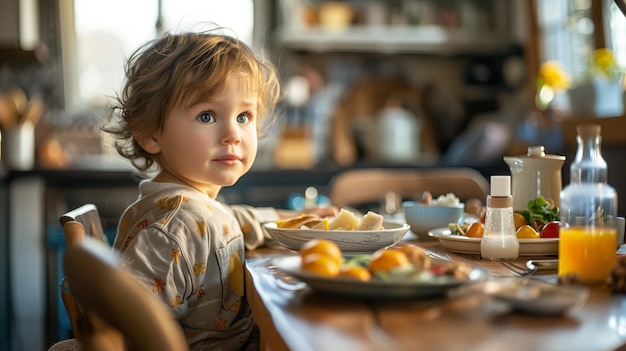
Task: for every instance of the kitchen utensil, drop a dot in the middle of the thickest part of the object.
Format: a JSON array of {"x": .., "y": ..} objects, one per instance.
[
  {"x": 19, "y": 147},
  {"x": 8, "y": 114},
  {"x": 518, "y": 270},
  {"x": 33, "y": 111},
  {"x": 19, "y": 99}
]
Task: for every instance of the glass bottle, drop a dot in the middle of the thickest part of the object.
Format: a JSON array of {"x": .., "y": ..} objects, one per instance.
[
  {"x": 588, "y": 233},
  {"x": 500, "y": 238}
]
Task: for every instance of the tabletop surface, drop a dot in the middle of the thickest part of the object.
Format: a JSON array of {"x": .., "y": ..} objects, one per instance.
[{"x": 298, "y": 318}]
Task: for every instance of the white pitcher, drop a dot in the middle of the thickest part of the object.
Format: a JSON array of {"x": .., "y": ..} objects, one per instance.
[{"x": 535, "y": 174}]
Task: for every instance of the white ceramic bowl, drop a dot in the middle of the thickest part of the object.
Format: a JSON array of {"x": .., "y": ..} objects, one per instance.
[
  {"x": 423, "y": 218},
  {"x": 350, "y": 242}
]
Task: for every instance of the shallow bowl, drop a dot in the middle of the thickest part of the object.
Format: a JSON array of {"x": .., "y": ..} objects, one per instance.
[
  {"x": 423, "y": 218},
  {"x": 351, "y": 242}
]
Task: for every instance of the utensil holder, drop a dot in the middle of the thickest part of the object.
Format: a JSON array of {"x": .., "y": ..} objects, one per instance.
[{"x": 18, "y": 147}]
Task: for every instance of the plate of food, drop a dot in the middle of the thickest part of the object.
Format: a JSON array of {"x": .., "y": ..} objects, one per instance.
[
  {"x": 354, "y": 235},
  {"x": 434, "y": 280},
  {"x": 467, "y": 245}
]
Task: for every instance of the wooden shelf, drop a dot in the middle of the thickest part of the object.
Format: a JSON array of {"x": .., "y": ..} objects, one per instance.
[
  {"x": 393, "y": 40},
  {"x": 17, "y": 54}
]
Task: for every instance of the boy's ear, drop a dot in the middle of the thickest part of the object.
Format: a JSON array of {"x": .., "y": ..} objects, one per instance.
[{"x": 148, "y": 143}]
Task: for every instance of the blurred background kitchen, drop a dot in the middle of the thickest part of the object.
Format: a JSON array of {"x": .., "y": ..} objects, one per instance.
[{"x": 368, "y": 83}]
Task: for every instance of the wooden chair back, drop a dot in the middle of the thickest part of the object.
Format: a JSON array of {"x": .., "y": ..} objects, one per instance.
[
  {"x": 117, "y": 311},
  {"x": 89, "y": 217},
  {"x": 369, "y": 185}
]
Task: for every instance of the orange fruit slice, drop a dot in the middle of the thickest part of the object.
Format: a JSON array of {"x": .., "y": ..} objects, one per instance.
[
  {"x": 323, "y": 247},
  {"x": 320, "y": 264},
  {"x": 386, "y": 260},
  {"x": 519, "y": 220},
  {"x": 355, "y": 272},
  {"x": 527, "y": 232},
  {"x": 475, "y": 230}
]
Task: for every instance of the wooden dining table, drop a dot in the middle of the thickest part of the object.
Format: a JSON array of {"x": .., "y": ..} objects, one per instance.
[{"x": 292, "y": 316}]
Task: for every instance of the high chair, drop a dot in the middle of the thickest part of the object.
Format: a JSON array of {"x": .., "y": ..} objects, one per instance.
[
  {"x": 115, "y": 311},
  {"x": 370, "y": 185},
  {"x": 88, "y": 216}
]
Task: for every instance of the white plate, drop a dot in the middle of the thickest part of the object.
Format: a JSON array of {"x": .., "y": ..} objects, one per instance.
[
  {"x": 375, "y": 288},
  {"x": 350, "y": 242},
  {"x": 539, "y": 298},
  {"x": 466, "y": 245}
]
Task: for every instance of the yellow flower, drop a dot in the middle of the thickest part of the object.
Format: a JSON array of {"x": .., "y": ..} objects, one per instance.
[
  {"x": 551, "y": 74},
  {"x": 551, "y": 79},
  {"x": 606, "y": 65}
]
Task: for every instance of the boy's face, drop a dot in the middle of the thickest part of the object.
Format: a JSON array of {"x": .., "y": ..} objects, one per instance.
[{"x": 210, "y": 144}]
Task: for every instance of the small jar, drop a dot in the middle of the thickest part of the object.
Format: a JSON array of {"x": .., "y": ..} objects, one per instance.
[
  {"x": 499, "y": 238},
  {"x": 588, "y": 233}
]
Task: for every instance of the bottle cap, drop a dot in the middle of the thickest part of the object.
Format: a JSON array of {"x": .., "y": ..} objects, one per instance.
[{"x": 500, "y": 185}]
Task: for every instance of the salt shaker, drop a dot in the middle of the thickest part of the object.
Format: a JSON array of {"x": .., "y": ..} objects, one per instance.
[{"x": 499, "y": 238}]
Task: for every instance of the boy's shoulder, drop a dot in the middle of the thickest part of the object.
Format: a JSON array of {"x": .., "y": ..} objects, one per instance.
[
  {"x": 176, "y": 204},
  {"x": 174, "y": 211}
]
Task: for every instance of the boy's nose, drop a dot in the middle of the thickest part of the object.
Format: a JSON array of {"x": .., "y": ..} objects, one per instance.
[{"x": 231, "y": 134}]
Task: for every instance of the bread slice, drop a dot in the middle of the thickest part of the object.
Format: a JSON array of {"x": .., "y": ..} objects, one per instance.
[
  {"x": 345, "y": 220},
  {"x": 371, "y": 221},
  {"x": 296, "y": 222},
  {"x": 322, "y": 225}
]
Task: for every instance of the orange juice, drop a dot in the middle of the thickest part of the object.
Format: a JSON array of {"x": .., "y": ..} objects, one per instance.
[{"x": 587, "y": 251}]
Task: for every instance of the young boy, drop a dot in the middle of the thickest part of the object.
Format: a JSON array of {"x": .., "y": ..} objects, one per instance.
[{"x": 192, "y": 107}]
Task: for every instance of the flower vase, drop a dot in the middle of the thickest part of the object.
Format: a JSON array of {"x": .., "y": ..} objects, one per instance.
[
  {"x": 609, "y": 97},
  {"x": 598, "y": 97}
]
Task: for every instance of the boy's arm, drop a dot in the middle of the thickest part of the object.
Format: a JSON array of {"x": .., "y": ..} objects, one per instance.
[{"x": 250, "y": 220}]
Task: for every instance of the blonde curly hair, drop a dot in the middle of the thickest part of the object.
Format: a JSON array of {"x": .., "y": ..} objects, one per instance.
[{"x": 182, "y": 69}]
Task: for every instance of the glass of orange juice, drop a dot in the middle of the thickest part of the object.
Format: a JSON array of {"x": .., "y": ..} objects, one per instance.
[{"x": 587, "y": 252}]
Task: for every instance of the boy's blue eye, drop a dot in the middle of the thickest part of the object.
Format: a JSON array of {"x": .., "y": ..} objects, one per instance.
[
  {"x": 206, "y": 117},
  {"x": 243, "y": 118}
]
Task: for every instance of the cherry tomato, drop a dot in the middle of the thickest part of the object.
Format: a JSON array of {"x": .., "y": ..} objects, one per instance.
[
  {"x": 551, "y": 230},
  {"x": 483, "y": 215},
  {"x": 438, "y": 270}
]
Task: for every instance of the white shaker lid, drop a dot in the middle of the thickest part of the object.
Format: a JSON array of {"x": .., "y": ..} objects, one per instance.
[{"x": 500, "y": 186}]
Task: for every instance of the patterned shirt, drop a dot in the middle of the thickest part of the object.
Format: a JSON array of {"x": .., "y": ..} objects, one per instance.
[{"x": 189, "y": 250}]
